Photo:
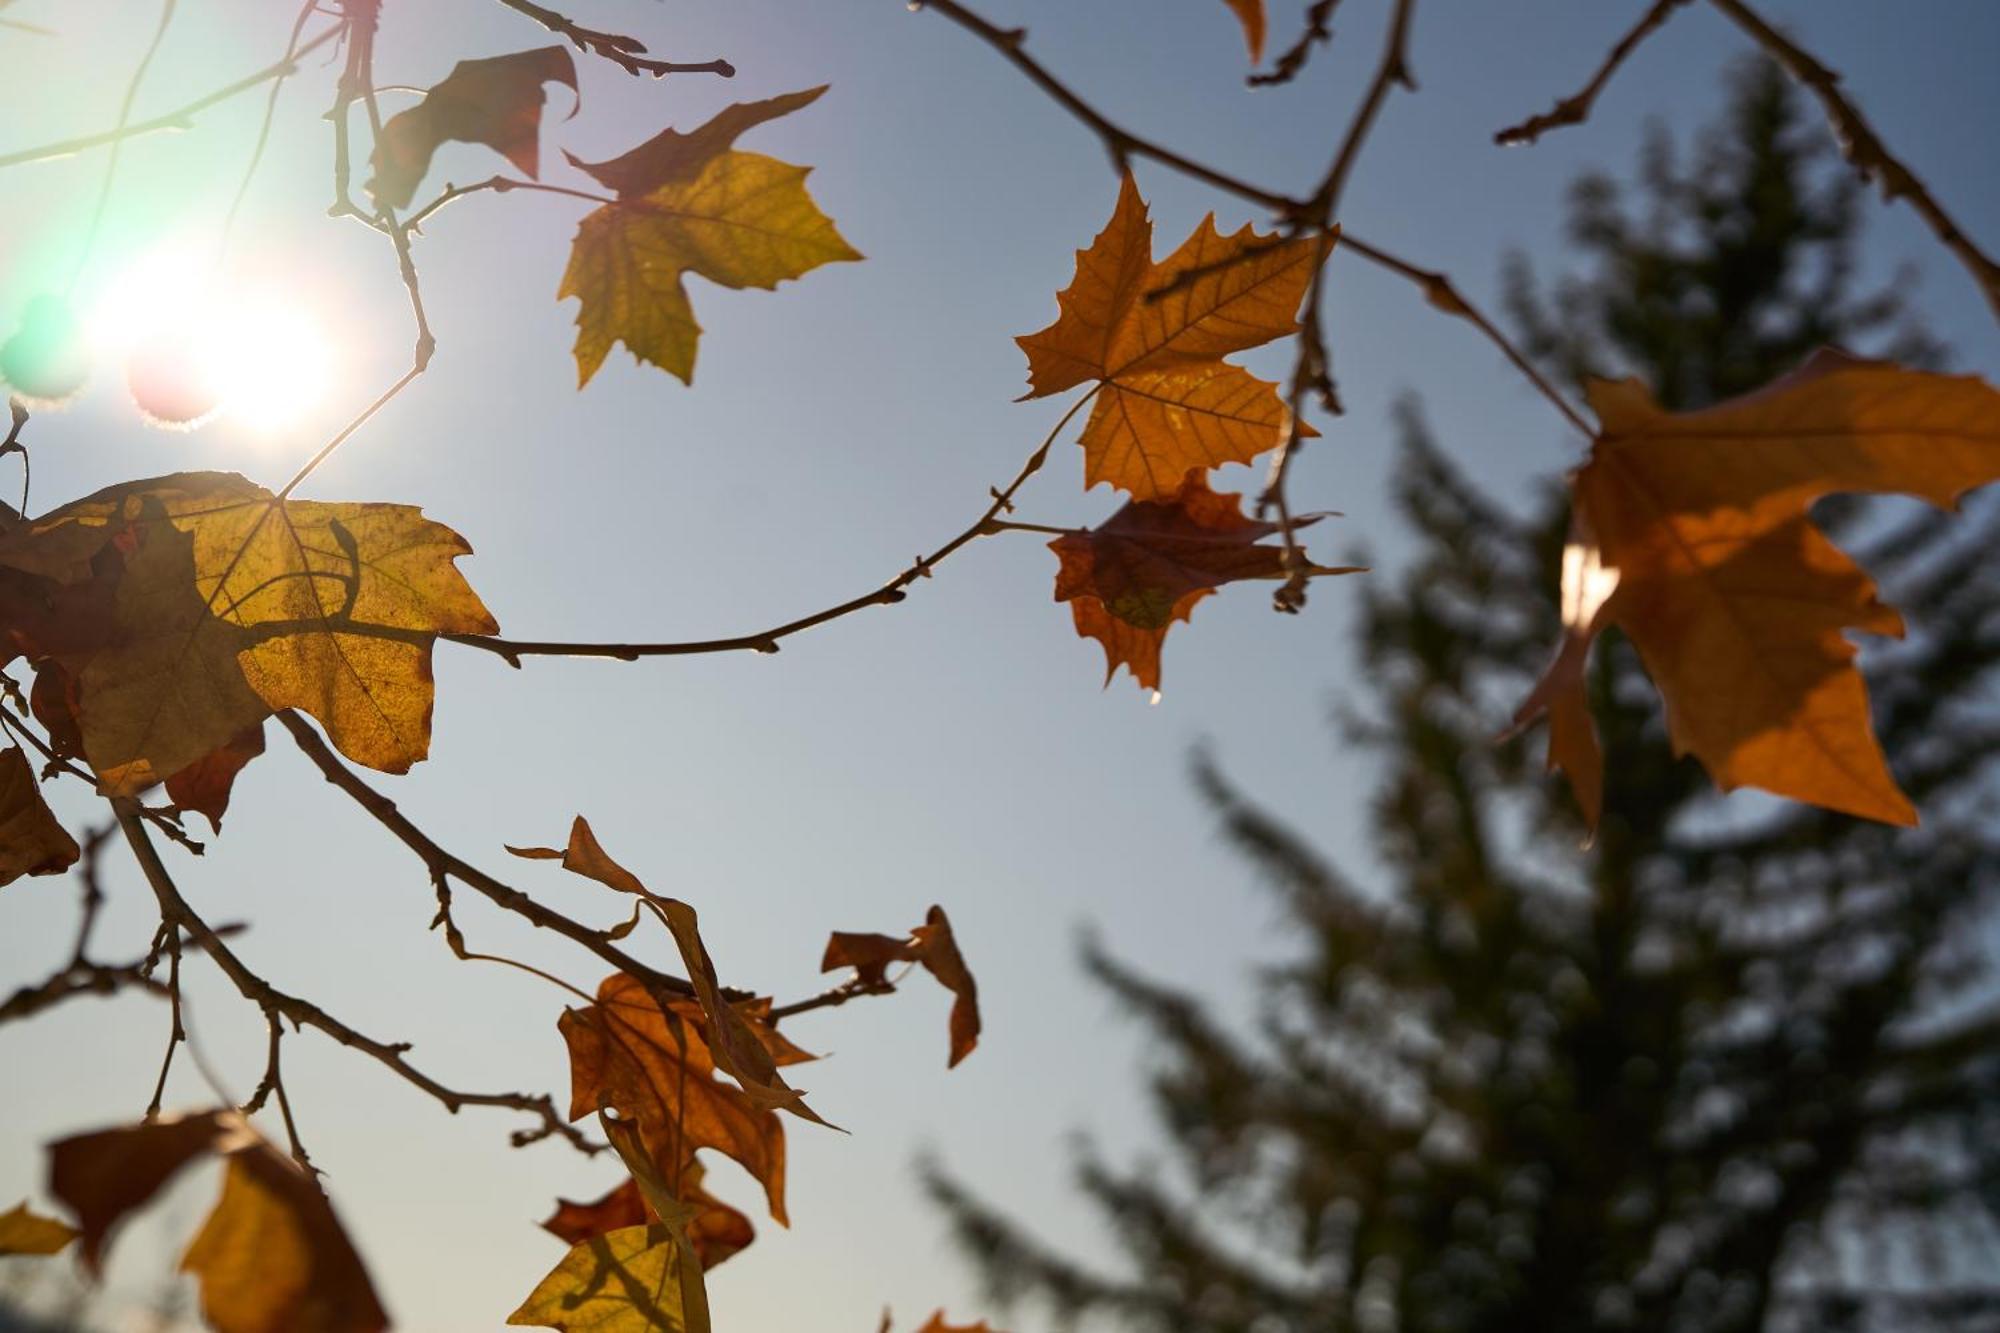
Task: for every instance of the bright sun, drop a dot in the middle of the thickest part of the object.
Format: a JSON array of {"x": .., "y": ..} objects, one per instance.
[{"x": 193, "y": 350}]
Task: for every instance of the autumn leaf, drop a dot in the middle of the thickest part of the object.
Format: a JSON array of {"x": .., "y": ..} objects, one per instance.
[
  {"x": 1250, "y": 13},
  {"x": 1693, "y": 538},
  {"x": 272, "y": 1257},
  {"x": 717, "y": 1232},
  {"x": 672, "y": 155},
  {"x": 1130, "y": 578},
  {"x": 227, "y": 603},
  {"x": 934, "y": 947},
  {"x": 32, "y": 840},
  {"x": 25, "y": 1232},
  {"x": 656, "y": 1067},
  {"x": 1153, "y": 337},
  {"x": 738, "y": 1049},
  {"x": 497, "y": 102},
  {"x": 204, "y": 786},
  {"x": 103, "y": 1176},
  {"x": 742, "y": 221},
  {"x": 626, "y": 1281}
]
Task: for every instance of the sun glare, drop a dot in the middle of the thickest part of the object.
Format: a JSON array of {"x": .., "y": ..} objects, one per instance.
[{"x": 193, "y": 350}]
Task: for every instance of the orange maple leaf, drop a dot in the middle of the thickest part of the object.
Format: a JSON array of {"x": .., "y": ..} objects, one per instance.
[
  {"x": 1131, "y": 577},
  {"x": 1691, "y": 535},
  {"x": 658, "y": 1068},
  {"x": 1153, "y": 337}
]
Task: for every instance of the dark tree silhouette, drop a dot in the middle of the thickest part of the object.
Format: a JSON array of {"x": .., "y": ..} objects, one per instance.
[{"x": 1732, "y": 1067}]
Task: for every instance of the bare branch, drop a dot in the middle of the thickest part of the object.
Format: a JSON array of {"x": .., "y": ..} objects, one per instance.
[
  {"x": 181, "y": 118},
  {"x": 628, "y": 53},
  {"x": 767, "y": 641},
  {"x": 1121, "y": 143},
  {"x": 1319, "y": 28},
  {"x": 1575, "y": 109},
  {"x": 1872, "y": 161},
  {"x": 177, "y": 914},
  {"x": 1440, "y": 292}
]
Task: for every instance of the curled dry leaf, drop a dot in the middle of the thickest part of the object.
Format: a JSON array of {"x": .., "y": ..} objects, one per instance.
[
  {"x": 743, "y": 220},
  {"x": 497, "y": 102},
  {"x": 739, "y": 1049},
  {"x": 32, "y": 840},
  {"x": 1130, "y": 578},
  {"x": 1693, "y": 538},
  {"x": 271, "y": 1257},
  {"x": 188, "y": 608},
  {"x": 657, "y": 1068},
  {"x": 1250, "y": 13},
  {"x": 935, "y": 947},
  {"x": 1153, "y": 337},
  {"x": 23, "y": 1231}
]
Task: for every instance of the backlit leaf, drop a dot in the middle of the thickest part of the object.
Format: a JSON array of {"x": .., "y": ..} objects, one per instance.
[
  {"x": 226, "y": 603},
  {"x": 1152, "y": 337},
  {"x": 272, "y": 1257},
  {"x": 32, "y": 840},
  {"x": 1250, "y": 13},
  {"x": 626, "y": 1281},
  {"x": 496, "y": 102},
  {"x": 1694, "y": 539},
  {"x": 742, "y": 221},
  {"x": 1130, "y": 578},
  {"x": 931, "y": 945}
]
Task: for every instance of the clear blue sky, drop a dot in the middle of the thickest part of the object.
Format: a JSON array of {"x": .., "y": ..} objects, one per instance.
[{"x": 956, "y": 749}]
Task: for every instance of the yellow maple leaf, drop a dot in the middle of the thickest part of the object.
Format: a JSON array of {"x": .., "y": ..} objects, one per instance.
[
  {"x": 1153, "y": 337},
  {"x": 1693, "y": 538},
  {"x": 229, "y": 603},
  {"x": 625, "y": 1281},
  {"x": 743, "y": 220}
]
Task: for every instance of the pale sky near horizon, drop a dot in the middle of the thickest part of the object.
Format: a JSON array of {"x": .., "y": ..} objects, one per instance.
[{"x": 955, "y": 749}]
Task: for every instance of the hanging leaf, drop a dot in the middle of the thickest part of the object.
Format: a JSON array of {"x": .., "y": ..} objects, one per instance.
[
  {"x": 211, "y": 603},
  {"x": 934, "y": 947},
  {"x": 32, "y": 840},
  {"x": 1693, "y": 538},
  {"x": 741, "y": 221},
  {"x": 497, "y": 102},
  {"x": 1130, "y": 578},
  {"x": 1153, "y": 336}
]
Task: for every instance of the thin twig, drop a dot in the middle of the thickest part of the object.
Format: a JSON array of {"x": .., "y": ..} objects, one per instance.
[
  {"x": 1312, "y": 370},
  {"x": 628, "y": 53},
  {"x": 1864, "y": 150},
  {"x": 1575, "y": 109},
  {"x": 178, "y": 119},
  {"x": 1319, "y": 28},
  {"x": 111, "y": 173},
  {"x": 1439, "y": 291},
  {"x": 834, "y": 997},
  {"x": 441, "y": 862},
  {"x": 178, "y": 1033},
  {"x": 1120, "y": 142},
  {"x": 178, "y": 914},
  {"x": 306, "y": 11},
  {"x": 767, "y": 641},
  {"x": 499, "y": 185}
]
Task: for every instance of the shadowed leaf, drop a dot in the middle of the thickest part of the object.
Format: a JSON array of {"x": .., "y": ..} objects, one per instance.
[
  {"x": 671, "y": 155},
  {"x": 497, "y": 102},
  {"x": 32, "y": 840}
]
